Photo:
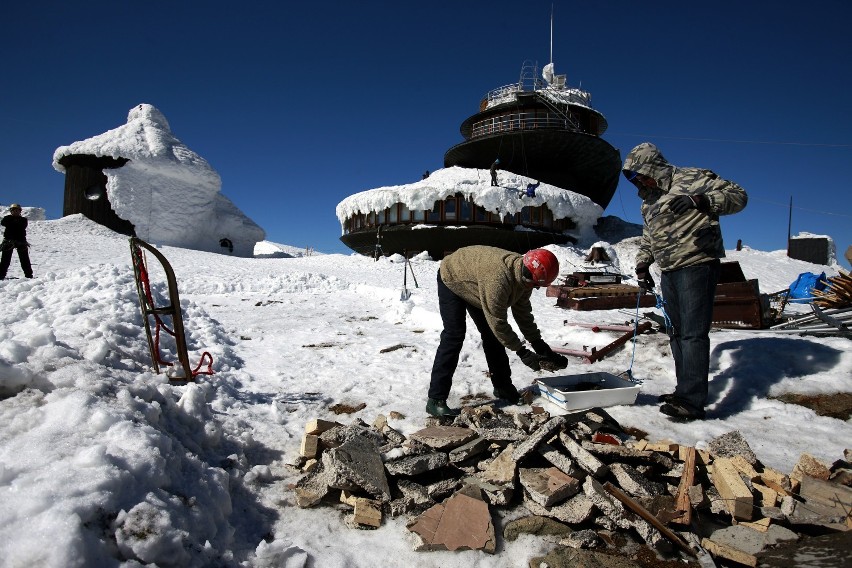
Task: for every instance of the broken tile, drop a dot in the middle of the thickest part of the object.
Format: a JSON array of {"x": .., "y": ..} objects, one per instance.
[{"x": 459, "y": 523}]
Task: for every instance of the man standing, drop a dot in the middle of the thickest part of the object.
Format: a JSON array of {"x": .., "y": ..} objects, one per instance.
[
  {"x": 494, "y": 168},
  {"x": 15, "y": 238},
  {"x": 485, "y": 283},
  {"x": 681, "y": 233}
]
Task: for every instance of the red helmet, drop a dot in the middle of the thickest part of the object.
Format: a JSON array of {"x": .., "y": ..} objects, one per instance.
[{"x": 542, "y": 265}]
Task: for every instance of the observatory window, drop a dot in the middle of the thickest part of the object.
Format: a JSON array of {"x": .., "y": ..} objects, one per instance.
[
  {"x": 371, "y": 219},
  {"x": 94, "y": 192},
  {"x": 547, "y": 217},
  {"x": 404, "y": 213},
  {"x": 434, "y": 214},
  {"x": 418, "y": 216},
  {"x": 465, "y": 209},
  {"x": 525, "y": 215},
  {"x": 535, "y": 215},
  {"x": 393, "y": 214},
  {"x": 450, "y": 209},
  {"x": 481, "y": 214}
]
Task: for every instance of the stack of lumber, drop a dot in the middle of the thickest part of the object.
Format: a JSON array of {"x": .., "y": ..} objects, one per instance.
[{"x": 837, "y": 293}]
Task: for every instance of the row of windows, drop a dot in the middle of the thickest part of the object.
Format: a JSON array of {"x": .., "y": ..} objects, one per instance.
[
  {"x": 531, "y": 119},
  {"x": 453, "y": 211}
]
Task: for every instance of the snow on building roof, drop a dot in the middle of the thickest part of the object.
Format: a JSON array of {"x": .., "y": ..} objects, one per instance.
[
  {"x": 476, "y": 184},
  {"x": 170, "y": 193}
]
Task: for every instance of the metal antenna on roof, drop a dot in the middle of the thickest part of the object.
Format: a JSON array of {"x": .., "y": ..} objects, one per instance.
[{"x": 551, "y": 34}]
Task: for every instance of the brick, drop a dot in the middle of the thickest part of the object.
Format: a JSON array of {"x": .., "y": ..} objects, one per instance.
[{"x": 310, "y": 446}]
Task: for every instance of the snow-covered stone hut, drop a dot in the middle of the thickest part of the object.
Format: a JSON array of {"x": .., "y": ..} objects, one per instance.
[{"x": 138, "y": 179}]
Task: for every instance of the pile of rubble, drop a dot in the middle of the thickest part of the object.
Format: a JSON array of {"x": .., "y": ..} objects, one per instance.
[{"x": 589, "y": 485}]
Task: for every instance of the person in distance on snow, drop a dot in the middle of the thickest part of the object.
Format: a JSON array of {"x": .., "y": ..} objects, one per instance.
[
  {"x": 681, "y": 233},
  {"x": 485, "y": 283},
  {"x": 494, "y": 167},
  {"x": 15, "y": 238}
]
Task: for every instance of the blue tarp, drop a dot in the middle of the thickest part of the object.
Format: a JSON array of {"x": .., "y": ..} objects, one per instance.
[{"x": 801, "y": 291}]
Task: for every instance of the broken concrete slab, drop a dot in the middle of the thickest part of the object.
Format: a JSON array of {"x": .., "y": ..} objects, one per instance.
[
  {"x": 469, "y": 450},
  {"x": 826, "y": 551},
  {"x": 615, "y": 511},
  {"x": 576, "y": 510},
  {"x": 357, "y": 464},
  {"x": 493, "y": 494},
  {"x": 732, "y": 444},
  {"x": 584, "y": 458},
  {"x": 541, "y": 434},
  {"x": 536, "y": 525},
  {"x": 808, "y": 466},
  {"x": 311, "y": 489},
  {"x": 742, "y": 544},
  {"x": 548, "y": 486},
  {"x": 565, "y": 464},
  {"x": 501, "y": 470},
  {"x": 565, "y": 557},
  {"x": 417, "y": 464},
  {"x": 461, "y": 522},
  {"x": 634, "y": 483},
  {"x": 443, "y": 437}
]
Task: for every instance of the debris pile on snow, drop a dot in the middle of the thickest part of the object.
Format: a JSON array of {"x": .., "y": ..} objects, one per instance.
[{"x": 584, "y": 481}]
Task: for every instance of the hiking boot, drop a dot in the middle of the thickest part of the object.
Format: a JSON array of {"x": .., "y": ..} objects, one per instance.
[
  {"x": 509, "y": 394},
  {"x": 670, "y": 397},
  {"x": 681, "y": 413},
  {"x": 439, "y": 408}
]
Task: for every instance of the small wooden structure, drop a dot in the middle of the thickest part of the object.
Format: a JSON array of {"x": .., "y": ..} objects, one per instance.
[
  {"x": 86, "y": 193},
  {"x": 738, "y": 301},
  {"x": 598, "y": 291}
]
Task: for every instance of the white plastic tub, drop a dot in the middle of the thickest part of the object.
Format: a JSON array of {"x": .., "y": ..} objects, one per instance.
[{"x": 589, "y": 390}]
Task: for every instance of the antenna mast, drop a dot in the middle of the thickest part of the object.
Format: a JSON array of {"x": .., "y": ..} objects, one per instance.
[{"x": 551, "y": 33}]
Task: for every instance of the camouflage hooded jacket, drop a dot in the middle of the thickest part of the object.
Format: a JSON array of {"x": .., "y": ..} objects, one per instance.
[
  {"x": 676, "y": 241},
  {"x": 489, "y": 278}
]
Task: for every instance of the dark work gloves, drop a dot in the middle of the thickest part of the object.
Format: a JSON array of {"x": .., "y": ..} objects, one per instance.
[
  {"x": 541, "y": 347},
  {"x": 550, "y": 361},
  {"x": 683, "y": 203},
  {"x": 530, "y": 359},
  {"x": 643, "y": 275}
]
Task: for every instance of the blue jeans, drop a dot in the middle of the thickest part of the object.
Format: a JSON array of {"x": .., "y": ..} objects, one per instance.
[
  {"x": 688, "y": 294},
  {"x": 454, "y": 311}
]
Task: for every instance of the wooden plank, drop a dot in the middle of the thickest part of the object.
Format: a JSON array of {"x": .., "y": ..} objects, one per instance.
[
  {"x": 682, "y": 504},
  {"x": 737, "y": 497}
]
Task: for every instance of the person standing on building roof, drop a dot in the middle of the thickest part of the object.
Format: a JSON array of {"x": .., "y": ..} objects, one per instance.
[
  {"x": 15, "y": 238},
  {"x": 494, "y": 168},
  {"x": 485, "y": 283},
  {"x": 681, "y": 233}
]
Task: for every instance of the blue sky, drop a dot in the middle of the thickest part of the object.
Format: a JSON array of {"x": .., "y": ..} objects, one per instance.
[{"x": 298, "y": 105}]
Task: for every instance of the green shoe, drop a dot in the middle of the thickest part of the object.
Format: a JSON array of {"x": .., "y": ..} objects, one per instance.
[
  {"x": 509, "y": 394},
  {"x": 439, "y": 408}
]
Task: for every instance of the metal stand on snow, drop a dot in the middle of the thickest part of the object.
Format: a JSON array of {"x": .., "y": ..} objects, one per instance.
[{"x": 406, "y": 293}]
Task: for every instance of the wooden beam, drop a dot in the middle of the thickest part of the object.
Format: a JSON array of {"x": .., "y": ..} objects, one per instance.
[
  {"x": 737, "y": 497},
  {"x": 682, "y": 504}
]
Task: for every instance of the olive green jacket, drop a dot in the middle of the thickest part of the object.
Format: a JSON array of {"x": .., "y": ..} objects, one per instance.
[
  {"x": 489, "y": 278},
  {"x": 676, "y": 241}
]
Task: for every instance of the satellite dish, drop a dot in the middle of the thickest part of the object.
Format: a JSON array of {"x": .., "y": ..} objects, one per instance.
[{"x": 94, "y": 192}]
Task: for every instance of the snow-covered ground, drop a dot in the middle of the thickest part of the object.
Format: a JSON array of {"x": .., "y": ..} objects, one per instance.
[{"x": 105, "y": 463}]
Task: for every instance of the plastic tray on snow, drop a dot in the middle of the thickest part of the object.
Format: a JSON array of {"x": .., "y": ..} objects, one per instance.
[{"x": 588, "y": 390}]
